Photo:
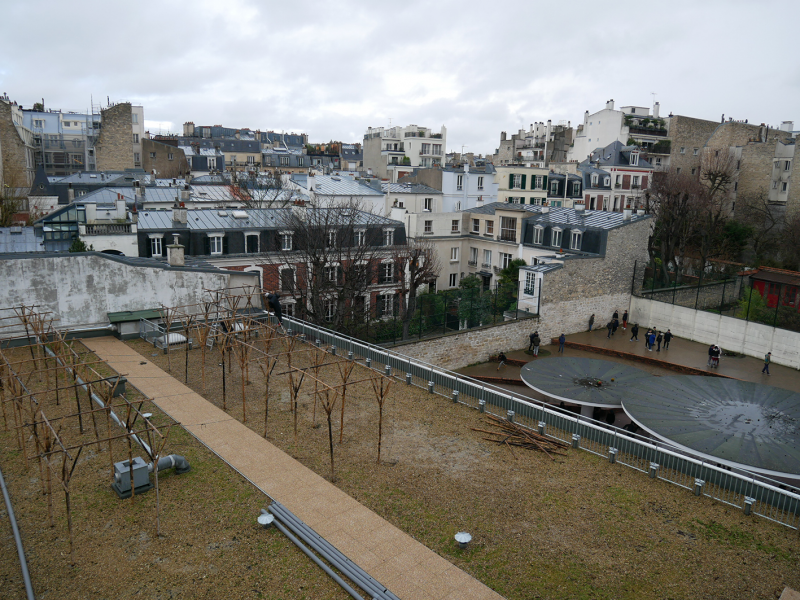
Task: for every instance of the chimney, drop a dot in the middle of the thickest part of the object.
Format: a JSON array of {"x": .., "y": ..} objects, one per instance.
[
  {"x": 179, "y": 215},
  {"x": 787, "y": 126},
  {"x": 502, "y": 136},
  {"x": 299, "y": 209},
  {"x": 580, "y": 207},
  {"x": 70, "y": 194},
  {"x": 656, "y": 110},
  {"x": 610, "y": 104},
  {"x": 185, "y": 194},
  {"x": 545, "y": 209},
  {"x": 626, "y": 214},
  {"x": 175, "y": 253}
]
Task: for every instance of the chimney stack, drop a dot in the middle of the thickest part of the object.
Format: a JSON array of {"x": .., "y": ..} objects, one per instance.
[
  {"x": 610, "y": 104},
  {"x": 179, "y": 215},
  {"x": 656, "y": 110},
  {"x": 175, "y": 253},
  {"x": 626, "y": 214}
]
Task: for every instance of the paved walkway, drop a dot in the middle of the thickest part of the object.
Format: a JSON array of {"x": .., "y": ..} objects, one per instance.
[
  {"x": 690, "y": 354},
  {"x": 406, "y": 567}
]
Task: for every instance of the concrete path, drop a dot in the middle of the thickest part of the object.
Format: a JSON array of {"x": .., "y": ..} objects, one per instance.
[{"x": 406, "y": 567}]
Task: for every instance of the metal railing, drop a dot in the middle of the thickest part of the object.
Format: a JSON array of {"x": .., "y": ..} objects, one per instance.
[
  {"x": 752, "y": 493},
  {"x": 115, "y": 229}
]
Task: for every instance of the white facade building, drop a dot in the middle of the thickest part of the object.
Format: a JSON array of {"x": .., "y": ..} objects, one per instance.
[{"x": 391, "y": 153}]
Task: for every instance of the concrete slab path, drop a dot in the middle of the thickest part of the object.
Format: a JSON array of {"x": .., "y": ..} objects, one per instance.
[{"x": 406, "y": 567}]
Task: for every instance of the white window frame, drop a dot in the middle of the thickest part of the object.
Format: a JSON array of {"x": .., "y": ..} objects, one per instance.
[
  {"x": 459, "y": 182},
  {"x": 454, "y": 254},
  {"x": 330, "y": 239},
  {"x": 473, "y": 255},
  {"x": 455, "y": 226},
  {"x": 516, "y": 182},
  {"x": 696, "y": 151},
  {"x": 607, "y": 181},
  {"x": 489, "y": 227},
  {"x": 539, "y": 181},
  {"x": 476, "y": 225},
  {"x": 135, "y": 138},
  {"x": 388, "y": 237},
  {"x": 594, "y": 179},
  {"x": 427, "y": 204},
  {"x": 635, "y": 180},
  {"x": 215, "y": 245},
  {"x": 453, "y": 279},
  {"x": 480, "y": 182},
  {"x": 555, "y": 237},
  {"x": 332, "y": 272},
  {"x": 576, "y": 238},
  {"x": 156, "y": 243},
  {"x": 530, "y": 284},
  {"x": 286, "y": 241},
  {"x": 634, "y": 159},
  {"x": 554, "y": 187},
  {"x": 487, "y": 258},
  {"x": 386, "y": 268},
  {"x": 787, "y": 165},
  {"x": 387, "y": 305},
  {"x": 428, "y": 227},
  {"x": 505, "y": 259},
  {"x": 538, "y": 235},
  {"x": 360, "y": 237},
  {"x": 330, "y": 309}
]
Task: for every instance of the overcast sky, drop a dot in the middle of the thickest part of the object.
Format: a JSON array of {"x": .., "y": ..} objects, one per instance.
[{"x": 331, "y": 69}]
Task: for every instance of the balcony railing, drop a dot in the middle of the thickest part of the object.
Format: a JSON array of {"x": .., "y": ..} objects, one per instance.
[
  {"x": 508, "y": 236},
  {"x": 486, "y": 265},
  {"x": 109, "y": 229},
  {"x": 472, "y": 263},
  {"x": 647, "y": 131},
  {"x": 496, "y": 270}
]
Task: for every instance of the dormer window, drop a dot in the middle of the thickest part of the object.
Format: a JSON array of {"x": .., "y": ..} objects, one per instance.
[
  {"x": 607, "y": 181},
  {"x": 555, "y": 237},
  {"x": 594, "y": 179},
  {"x": 538, "y": 235},
  {"x": 554, "y": 188},
  {"x": 634, "y": 159},
  {"x": 575, "y": 239}
]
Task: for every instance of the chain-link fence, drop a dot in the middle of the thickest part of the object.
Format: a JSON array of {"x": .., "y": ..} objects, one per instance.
[{"x": 722, "y": 289}]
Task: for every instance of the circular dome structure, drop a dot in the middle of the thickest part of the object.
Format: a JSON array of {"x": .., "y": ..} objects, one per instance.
[
  {"x": 738, "y": 423},
  {"x": 584, "y": 381}
]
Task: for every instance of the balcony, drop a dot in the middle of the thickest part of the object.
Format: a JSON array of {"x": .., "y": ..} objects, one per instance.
[
  {"x": 109, "y": 229},
  {"x": 496, "y": 270},
  {"x": 486, "y": 265},
  {"x": 401, "y": 150},
  {"x": 508, "y": 236},
  {"x": 472, "y": 263},
  {"x": 633, "y": 129}
]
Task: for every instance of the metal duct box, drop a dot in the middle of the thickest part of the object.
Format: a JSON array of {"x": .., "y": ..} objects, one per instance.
[{"x": 122, "y": 478}]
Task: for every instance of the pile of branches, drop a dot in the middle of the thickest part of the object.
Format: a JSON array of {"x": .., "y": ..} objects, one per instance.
[{"x": 511, "y": 434}]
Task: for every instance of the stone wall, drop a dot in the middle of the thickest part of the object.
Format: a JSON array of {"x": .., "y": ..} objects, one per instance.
[
  {"x": 17, "y": 156},
  {"x": 114, "y": 145},
  {"x": 82, "y": 288},
  {"x": 688, "y": 133},
  {"x": 463, "y": 348},
  {"x": 745, "y": 337},
  {"x": 164, "y": 167}
]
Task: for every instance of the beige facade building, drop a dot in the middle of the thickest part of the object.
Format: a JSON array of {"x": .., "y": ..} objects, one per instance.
[
  {"x": 18, "y": 163},
  {"x": 521, "y": 185},
  {"x": 392, "y": 153}
]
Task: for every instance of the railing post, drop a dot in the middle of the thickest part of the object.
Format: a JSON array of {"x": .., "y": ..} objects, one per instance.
[
  {"x": 698, "y": 487},
  {"x": 576, "y": 440},
  {"x": 612, "y": 455},
  {"x": 482, "y": 406},
  {"x": 455, "y": 396},
  {"x": 510, "y": 415},
  {"x": 653, "y": 470},
  {"x": 748, "y": 504}
]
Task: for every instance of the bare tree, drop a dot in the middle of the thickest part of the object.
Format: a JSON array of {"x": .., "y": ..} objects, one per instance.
[
  {"x": 417, "y": 263},
  {"x": 670, "y": 198},
  {"x": 333, "y": 249},
  {"x": 261, "y": 189},
  {"x": 766, "y": 221}
]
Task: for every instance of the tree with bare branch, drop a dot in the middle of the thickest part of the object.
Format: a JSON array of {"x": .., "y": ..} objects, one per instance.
[
  {"x": 381, "y": 385},
  {"x": 417, "y": 263}
]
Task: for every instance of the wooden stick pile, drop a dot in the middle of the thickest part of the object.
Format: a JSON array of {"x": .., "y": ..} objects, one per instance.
[{"x": 512, "y": 434}]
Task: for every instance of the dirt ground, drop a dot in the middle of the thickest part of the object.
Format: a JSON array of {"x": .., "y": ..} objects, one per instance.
[{"x": 574, "y": 527}]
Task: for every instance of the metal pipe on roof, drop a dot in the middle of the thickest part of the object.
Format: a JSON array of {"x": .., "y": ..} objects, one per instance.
[{"x": 26, "y": 576}]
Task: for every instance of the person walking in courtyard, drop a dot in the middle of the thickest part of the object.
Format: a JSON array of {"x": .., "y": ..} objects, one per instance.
[
  {"x": 659, "y": 337},
  {"x": 652, "y": 339},
  {"x": 536, "y": 341},
  {"x": 711, "y": 354},
  {"x": 625, "y": 320},
  {"x": 667, "y": 338},
  {"x": 614, "y": 326},
  {"x": 635, "y": 332},
  {"x": 591, "y": 323},
  {"x": 561, "y": 339},
  {"x": 502, "y": 358},
  {"x": 609, "y": 326},
  {"x": 615, "y": 315},
  {"x": 767, "y": 360},
  {"x": 530, "y": 346},
  {"x": 647, "y": 340}
]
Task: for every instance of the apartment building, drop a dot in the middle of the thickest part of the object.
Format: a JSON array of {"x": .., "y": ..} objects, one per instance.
[{"x": 392, "y": 153}]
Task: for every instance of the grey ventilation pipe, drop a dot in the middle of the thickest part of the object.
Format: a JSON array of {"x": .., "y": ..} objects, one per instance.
[
  {"x": 173, "y": 460},
  {"x": 26, "y": 577},
  {"x": 167, "y": 462}
]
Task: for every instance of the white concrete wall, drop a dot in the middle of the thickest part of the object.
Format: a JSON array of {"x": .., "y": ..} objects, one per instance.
[
  {"x": 752, "y": 339},
  {"x": 81, "y": 288}
]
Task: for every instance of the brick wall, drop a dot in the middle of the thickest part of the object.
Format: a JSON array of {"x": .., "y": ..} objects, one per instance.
[
  {"x": 688, "y": 133},
  {"x": 164, "y": 167},
  {"x": 114, "y": 146}
]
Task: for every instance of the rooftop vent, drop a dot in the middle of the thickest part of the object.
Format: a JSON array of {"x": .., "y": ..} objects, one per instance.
[
  {"x": 222, "y": 213},
  {"x": 240, "y": 214}
]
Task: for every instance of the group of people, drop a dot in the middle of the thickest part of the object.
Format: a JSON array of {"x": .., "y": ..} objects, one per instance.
[
  {"x": 713, "y": 356},
  {"x": 652, "y": 338},
  {"x": 613, "y": 324}
]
